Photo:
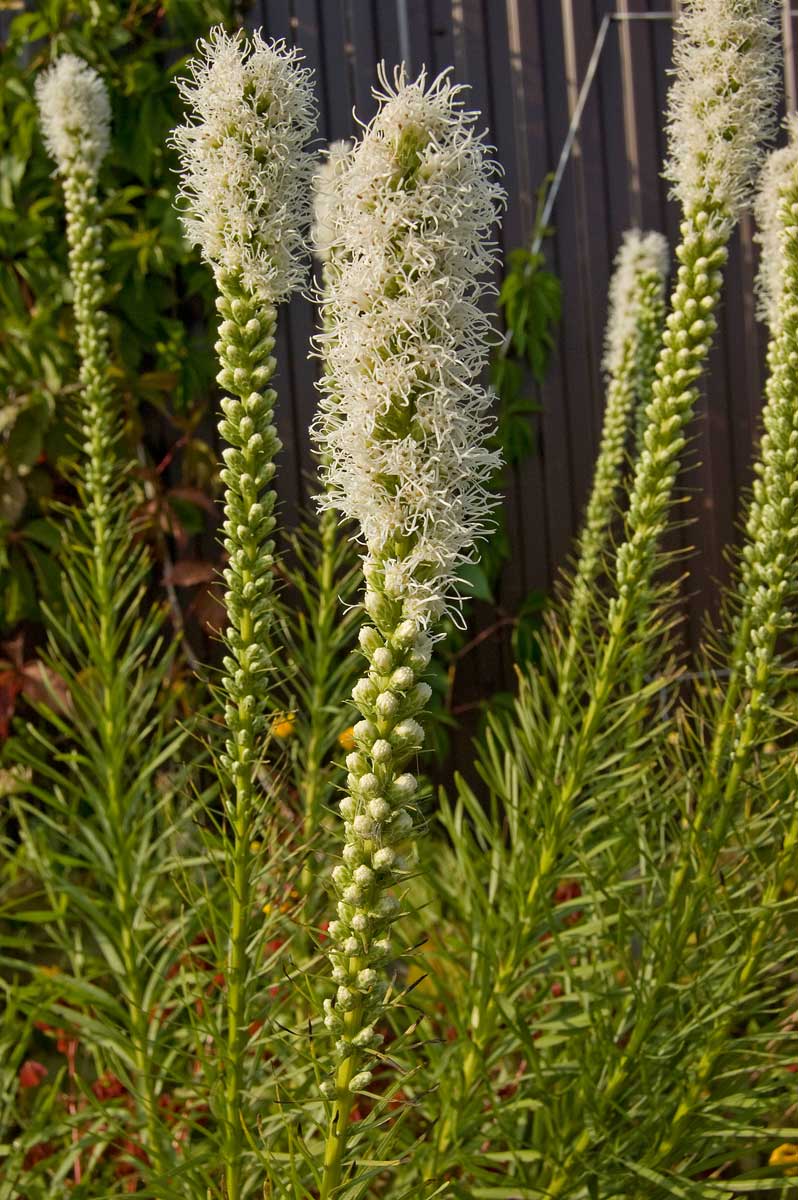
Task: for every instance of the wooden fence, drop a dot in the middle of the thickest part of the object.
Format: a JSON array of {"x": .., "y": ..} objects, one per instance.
[{"x": 525, "y": 61}]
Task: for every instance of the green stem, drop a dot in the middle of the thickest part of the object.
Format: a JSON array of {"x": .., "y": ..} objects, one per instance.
[
  {"x": 686, "y": 342},
  {"x": 246, "y": 341},
  {"x": 338, "y": 1128},
  {"x": 378, "y": 825},
  {"x": 99, "y": 427},
  {"x": 769, "y": 581}
]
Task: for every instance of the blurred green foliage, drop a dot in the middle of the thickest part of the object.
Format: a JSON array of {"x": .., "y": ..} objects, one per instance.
[{"x": 160, "y": 293}]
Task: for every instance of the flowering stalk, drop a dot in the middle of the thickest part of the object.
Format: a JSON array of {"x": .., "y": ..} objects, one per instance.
[
  {"x": 720, "y": 110},
  {"x": 634, "y": 326},
  {"x": 634, "y": 329},
  {"x": 244, "y": 182},
  {"x": 402, "y": 431},
  {"x": 75, "y": 116},
  {"x": 768, "y": 594}
]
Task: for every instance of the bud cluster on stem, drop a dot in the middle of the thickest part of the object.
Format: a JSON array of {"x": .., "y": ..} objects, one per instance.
[
  {"x": 245, "y": 200},
  {"x": 767, "y": 607},
  {"x": 634, "y": 330},
  {"x": 403, "y": 221},
  {"x": 75, "y": 115}
]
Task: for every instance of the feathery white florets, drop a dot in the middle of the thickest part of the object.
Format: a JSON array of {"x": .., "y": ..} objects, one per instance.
[
  {"x": 403, "y": 423},
  {"x": 780, "y": 169},
  {"x": 75, "y": 114},
  {"x": 721, "y": 106},
  {"x": 325, "y": 198},
  {"x": 245, "y": 169},
  {"x": 640, "y": 255}
]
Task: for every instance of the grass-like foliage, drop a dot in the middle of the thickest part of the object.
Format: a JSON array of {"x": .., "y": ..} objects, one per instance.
[{"x": 244, "y": 952}]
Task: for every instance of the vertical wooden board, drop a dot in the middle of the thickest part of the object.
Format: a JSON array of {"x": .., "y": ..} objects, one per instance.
[
  {"x": 277, "y": 19},
  {"x": 502, "y": 135},
  {"x": 710, "y": 503},
  {"x": 569, "y": 418},
  {"x": 580, "y": 226},
  {"x": 641, "y": 115},
  {"x": 502, "y": 118},
  {"x": 441, "y": 35},
  {"x": 417, "y": 14},
  {"x": 362, "y": 32},
  {"x": 308, "y": 33},
  {"x": 618, "y": 167},
  {"x": 471, "y": 64},
  {"x": 745, "y": 352},
  {"x": 338, "y": 69},
  {"x": 389, "y": 39},
  {"x": 593, "y": 206},
  {"x": 291, "y": 463},
  {"x": 555, "y": 462},
  {"x": 528, "y": 514},
  {"x": 662, "y": 47}
]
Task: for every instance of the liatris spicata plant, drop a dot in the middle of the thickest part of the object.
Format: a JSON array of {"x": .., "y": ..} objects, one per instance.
[
  {"x": 720, "y": 111},
  {"x": 76, "y": 114},
  {"x": 634, "y": 329},
  {"x": 747, "y": 712},
  {"x": 402, "y": 433},
  {"x": 767, "y": 577},
  {"x": 245, "y": 198},
  {"x": 100, "y": 797}
]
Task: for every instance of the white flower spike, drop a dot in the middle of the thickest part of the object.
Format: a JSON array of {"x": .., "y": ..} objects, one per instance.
[
  {"x": 777, "y": 174},
  {"x": 404, "y": 425},
  {"x": 640, "y": 255},
  {"x": 245, "y": 192},
  {"x": 75, "y": 114},
  {"x": 325, "y": 198},
  {"x": 720, "y": 105},
  {"x": 245, "y": 169}
]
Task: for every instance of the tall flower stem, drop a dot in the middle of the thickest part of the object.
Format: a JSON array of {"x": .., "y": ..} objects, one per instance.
[
  {"x": 246, "y": 341},
  {"x": 716, "y": 126},
  {"x": 690, "y": 326},
  {"x": 75, "y": 117},
  {"x": 634, "y": 333},
  {"x": 378, "y": 814},
  {"x": 769, "y": 595},
  {"x": 245, "y": 176},
  {"x": 720, "y": 108},
  {"x": 402, "y": 223}
]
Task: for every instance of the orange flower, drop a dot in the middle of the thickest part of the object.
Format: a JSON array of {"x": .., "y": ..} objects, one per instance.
[
  {"x": 346, "y": 740},
  {"x": 785, "y": 1156},
  {"x": 284, "y": 726}
]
